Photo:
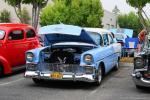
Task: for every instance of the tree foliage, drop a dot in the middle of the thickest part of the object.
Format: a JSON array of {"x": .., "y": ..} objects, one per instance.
[
  {"x": 140, "y": 4},
  {"x": 37, "y": 5},
  {"x": 17, "y": 7},
  {"x": 5, "y": 16},
  {"x": 130, "y": 21},
  {"x": 78, "y": 12},
  {"x": 25, "y": 16}
]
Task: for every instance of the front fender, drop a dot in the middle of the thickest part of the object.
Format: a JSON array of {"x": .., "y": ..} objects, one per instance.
[
  {"x": 6, "y": 66},
  {"x": 99, "y": 54},
  {"x": 36, "y": 53}
]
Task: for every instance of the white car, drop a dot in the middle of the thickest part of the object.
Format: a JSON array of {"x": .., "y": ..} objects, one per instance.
[{"x": 120, "y": 37}]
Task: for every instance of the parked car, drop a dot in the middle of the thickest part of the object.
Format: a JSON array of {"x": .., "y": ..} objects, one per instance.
[
  {"x": 120, "y": 37},
  {"x": 70, "y": 53},
  {"x": 15, "y": 40},
  {"x": 141, "y": 71}
]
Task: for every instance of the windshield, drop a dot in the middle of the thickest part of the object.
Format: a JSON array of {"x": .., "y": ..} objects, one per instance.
[
  {"x": 118, "y": 36},
  {"x": 2, "y": 34},
  {"x": 96, "y": 37}
]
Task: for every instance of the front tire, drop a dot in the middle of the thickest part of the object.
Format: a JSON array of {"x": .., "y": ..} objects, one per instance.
[
  {"x": 99, "y": 76},
  {"x": 139, "y": 87},
  {"x": 1, "y": 71},
  {"x": 37, "y": 81}
]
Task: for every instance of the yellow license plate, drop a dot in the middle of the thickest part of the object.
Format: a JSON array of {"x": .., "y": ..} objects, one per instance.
[{"x": 56, "y": 75}]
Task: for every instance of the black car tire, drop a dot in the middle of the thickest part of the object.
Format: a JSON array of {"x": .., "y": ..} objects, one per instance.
[
  {"x": 37, "y": 81},
  {"x": 99, "y": 76},
  {"x": 1, "y": 71},
  {"x": 139, "y": 87}
]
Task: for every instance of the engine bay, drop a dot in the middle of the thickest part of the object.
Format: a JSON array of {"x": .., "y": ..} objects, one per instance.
[{"x": 64, "y": 55}]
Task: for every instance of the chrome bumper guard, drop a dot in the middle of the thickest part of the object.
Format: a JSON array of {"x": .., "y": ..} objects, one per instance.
[
  {"x": 66, "y": 76},
  {"x": 140, "y": 81}
]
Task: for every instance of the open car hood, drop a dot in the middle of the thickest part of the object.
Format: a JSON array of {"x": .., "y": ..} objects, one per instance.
[{"x": 64, "y": 33}]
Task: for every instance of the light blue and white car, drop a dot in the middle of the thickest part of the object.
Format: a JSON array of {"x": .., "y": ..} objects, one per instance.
[{"x": 70, "y": 53}]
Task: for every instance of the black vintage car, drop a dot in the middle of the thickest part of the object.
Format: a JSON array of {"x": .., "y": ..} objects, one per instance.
[{"x": 141, "y": 72}]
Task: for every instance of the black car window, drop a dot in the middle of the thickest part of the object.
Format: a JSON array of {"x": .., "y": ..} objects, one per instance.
[
  {"x": 30, "y": 33},
  {"x": 16, "y": 35}
]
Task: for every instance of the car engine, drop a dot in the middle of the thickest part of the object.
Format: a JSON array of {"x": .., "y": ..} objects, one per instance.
[{"x": 63, "y": 55}]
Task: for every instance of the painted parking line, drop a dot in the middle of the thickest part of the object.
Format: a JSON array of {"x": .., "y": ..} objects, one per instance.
[
  {"x": 94, "y": 91},
  {"x": 11, "y": 82}
]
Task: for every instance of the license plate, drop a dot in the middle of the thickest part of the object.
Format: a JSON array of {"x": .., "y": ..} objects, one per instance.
[{"x": 56, "y": 75}]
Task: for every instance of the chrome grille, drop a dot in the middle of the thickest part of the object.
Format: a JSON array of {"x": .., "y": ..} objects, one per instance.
[{"x": 74, "y": 68}]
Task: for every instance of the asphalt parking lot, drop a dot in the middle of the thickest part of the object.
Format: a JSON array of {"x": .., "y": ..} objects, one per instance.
[{"x": 117, "y": 85}]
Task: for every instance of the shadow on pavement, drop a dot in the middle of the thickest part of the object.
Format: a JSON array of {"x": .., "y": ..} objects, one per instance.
[
  {"x": 145, "y": 90},
  {"x": 65, "y": 85},
  {"x": 13, "y": 74},
  {"x": 72, "y": 84}
]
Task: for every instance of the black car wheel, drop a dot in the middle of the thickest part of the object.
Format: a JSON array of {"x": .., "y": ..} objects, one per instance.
[
  {"x": 139, "y": 87},
  {"x": 37, "y": 81},
  {"x": 99, "y": 76},
  {"x": 1, "y": 71}
]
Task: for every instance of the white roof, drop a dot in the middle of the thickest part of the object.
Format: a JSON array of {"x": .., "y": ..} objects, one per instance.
[{"x": 97, "y": 30}]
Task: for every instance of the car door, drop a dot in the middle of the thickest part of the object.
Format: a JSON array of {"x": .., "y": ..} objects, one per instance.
[
  {"x": 15, "y": 46},
  {"x": 117, "y": 46},
  {"x": 109, "y": 51},
  {"x": 31, "y": 39},
  {"x": 114, "y": 49}
]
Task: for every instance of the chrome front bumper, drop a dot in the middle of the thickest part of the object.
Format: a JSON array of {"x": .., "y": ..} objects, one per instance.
[
  {"x": 140, "y": 81},
  {"x": 66, "y": 76}
]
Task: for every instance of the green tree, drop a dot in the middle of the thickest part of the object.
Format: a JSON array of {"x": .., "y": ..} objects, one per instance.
[
  {"x": 140, "y": 4},
  {"x": 25, "y": 16},
  {"x": 37, "y": 5},
  {"x": 78, "y": 12},
  {"x": 130, "y": 21},
  {"x": 16, "y": 4},
  {"x": 5, "y": 16}
]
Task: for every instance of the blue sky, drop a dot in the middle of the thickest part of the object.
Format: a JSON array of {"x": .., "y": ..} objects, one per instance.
[{"x": 122, "y": 6}]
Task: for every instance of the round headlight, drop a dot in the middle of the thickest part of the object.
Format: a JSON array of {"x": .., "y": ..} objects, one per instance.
[
  {"x": 138, "y": 63},
  {"x": 29, "y": 57},
  {"x": 88, "y": 58}
]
